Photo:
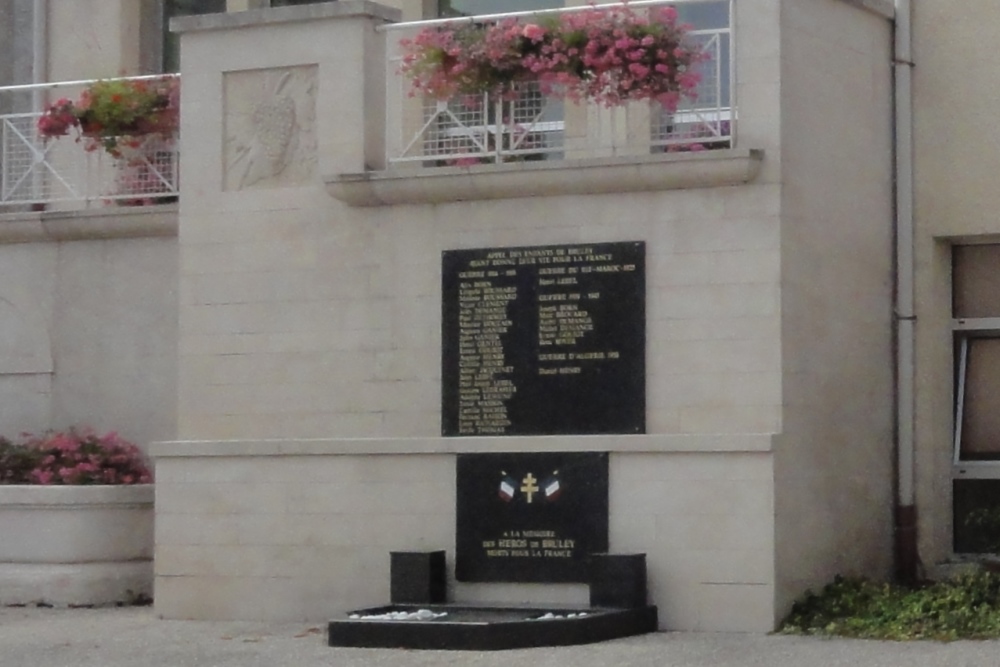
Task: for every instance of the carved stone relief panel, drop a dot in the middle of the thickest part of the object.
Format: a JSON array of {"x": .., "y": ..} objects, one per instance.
[{"x": 270, "y": 127}]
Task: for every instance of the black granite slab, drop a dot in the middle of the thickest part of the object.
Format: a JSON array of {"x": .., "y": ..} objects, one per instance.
[
  {"x": 530, "y": 517},
  {"x": 544, "y": 340}
]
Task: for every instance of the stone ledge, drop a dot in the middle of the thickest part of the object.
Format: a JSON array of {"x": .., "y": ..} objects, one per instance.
[
  {"x": 64, "y": 585},
  {"x": 883, "y": 8},
  {"x": 75, "y": 497},
  {"x": 658, "y": 444},
  {"x": 323, "y": 10},
  {"x": 90, "y": 224},
  {"x": 669, "y": 171}
]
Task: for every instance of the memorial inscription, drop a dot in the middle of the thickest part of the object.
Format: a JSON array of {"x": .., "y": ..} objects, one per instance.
[
  {"x": 530, "y": 517},
  {"x": 544, "y": 340}
]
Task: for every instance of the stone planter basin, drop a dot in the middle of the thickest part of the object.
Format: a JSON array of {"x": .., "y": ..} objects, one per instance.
[{"x": 75, "y": 545}]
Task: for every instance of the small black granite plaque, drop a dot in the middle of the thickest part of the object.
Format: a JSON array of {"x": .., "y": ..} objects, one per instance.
[
  {"x": 618, "y": 580},
  {"x": 544, "y": 340},
  {"x": 530, "y": 517},
  {"x": 417, "y": 577}
]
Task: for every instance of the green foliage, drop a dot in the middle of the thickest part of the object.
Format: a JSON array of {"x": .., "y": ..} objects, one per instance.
[
  {"x": 116, "y": 113},
  {"x": 17, "y": 462},
  {"x": 966, "y": 607}
]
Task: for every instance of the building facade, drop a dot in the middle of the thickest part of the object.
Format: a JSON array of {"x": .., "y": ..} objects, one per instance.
[
  {"x": 304, "y": 365},
  {"x": 957, "y": 260}
]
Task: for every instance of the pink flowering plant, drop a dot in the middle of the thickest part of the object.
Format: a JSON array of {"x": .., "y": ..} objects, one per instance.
[
  {"x": 76, "y": 456},
  {"x": 607, "y": 56},
  {"x": 116, "y": 114}
]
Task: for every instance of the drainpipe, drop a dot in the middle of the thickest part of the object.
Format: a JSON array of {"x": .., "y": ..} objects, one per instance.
[
  {"x": 907, "y": 558},
  {"x": 39, "y": 71},
  {"x": 39, "y": 43}
]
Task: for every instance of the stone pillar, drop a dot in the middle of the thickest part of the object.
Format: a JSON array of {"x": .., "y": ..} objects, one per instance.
[{"x": 259, "y": 130}]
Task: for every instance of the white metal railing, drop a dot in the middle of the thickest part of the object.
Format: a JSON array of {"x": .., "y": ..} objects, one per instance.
[
  {"x": 532, "y": 126},
  {"x": 35, "y": 170}
]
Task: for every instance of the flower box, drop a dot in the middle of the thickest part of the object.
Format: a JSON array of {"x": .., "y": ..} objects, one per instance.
[
  {"x": 75, "y": 545},
  {"x": 76, "y": 520}
]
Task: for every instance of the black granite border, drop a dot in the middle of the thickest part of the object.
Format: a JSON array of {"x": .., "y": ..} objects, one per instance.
[{"x": 518, "y": 632}]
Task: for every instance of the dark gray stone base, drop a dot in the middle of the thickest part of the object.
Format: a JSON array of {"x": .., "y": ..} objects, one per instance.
[{"x": 489, "y": 628}]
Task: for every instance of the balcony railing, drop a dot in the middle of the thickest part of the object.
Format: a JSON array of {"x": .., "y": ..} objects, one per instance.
[
  {"x": 424, "y": 132},
  {"x": 37, "y": 171}
]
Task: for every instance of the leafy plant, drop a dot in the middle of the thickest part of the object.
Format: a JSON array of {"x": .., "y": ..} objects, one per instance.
[
  {"x": 17, "y": 462},
  {"x": 116, "y": 113},
  {"x": 966, "y": 607},
  {"x": 76, "y": 456}
]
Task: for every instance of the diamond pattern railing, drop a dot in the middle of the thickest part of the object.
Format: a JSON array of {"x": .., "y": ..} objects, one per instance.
[{"x": 35, "y": 170}]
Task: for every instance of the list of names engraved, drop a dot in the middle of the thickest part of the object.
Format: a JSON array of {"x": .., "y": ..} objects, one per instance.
[
  {"x": 544, "y": 340},
  {"x": 485, "y": 378}
]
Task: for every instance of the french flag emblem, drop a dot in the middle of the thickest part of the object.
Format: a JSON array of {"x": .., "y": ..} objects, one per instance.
[
  {"x": 551, "y": 487},
  {"x": 507, "y": 488}
]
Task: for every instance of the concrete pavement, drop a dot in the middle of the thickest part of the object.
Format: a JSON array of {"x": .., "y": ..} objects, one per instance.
[{"x": 135, "y": 637}]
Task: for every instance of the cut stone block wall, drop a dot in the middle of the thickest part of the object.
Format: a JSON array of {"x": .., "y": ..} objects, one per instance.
[
  {"x": 302, "y": 530},
  {"x": 310, "y": 345},
  {"x": 834, "y": 459},
  {"x": 88, "y": 321}
]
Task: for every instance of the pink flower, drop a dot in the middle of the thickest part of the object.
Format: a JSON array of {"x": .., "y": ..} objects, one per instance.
[
  {"x": 639, "y": 70},
  {"x": 533, "y": 32},
  {"x": 603, "y": 56}
]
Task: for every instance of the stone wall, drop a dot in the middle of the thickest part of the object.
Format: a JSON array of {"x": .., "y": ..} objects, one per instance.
[
  {"x": 955, "y": 146},
  {"x": 88, "y": 321},
  {"x": 310, "y": 342},
  {"x": 834, "y": 460}
]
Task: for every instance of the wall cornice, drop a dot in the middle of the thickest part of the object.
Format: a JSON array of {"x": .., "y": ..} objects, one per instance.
[
  {"x": 324, "y": 10},
  {"x": 670, "y": 171},
  {"x": 883, "y": 8},
  {"x": 89, "y": 224},
  {"x": 650, "y": 443}
]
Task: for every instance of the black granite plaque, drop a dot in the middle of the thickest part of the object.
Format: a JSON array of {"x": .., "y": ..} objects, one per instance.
[
  {"x": 544, "y": 340},
  {"x": 530, "y": 517}
]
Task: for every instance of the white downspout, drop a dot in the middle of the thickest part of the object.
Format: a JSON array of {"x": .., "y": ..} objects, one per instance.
[
  {"x": 39, "y": 43},
  {"x": 906, "y": 520},
  {"x": 39, "y": 68}
]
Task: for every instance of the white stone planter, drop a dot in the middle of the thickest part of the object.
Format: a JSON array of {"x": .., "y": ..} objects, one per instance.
[{"x": 75, "y": 545}]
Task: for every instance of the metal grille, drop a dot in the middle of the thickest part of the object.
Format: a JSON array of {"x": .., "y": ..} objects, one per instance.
[
  {"x": 482, "y": 129},
  {"x": 35, "y": 170},
  {"x": 706, "y": 122}
]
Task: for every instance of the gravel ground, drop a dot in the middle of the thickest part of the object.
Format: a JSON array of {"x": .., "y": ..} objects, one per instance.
[{"x": 135, "y": 637}]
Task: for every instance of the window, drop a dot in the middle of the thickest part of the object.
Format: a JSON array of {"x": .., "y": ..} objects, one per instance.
[
  {"x": 170, "y": 8},
  {"x": 707, "y": 120},
  {"x": 447, "y": 8},
  {"x": 976, "y": 326},
  {"x": 171, "y": 41}
]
